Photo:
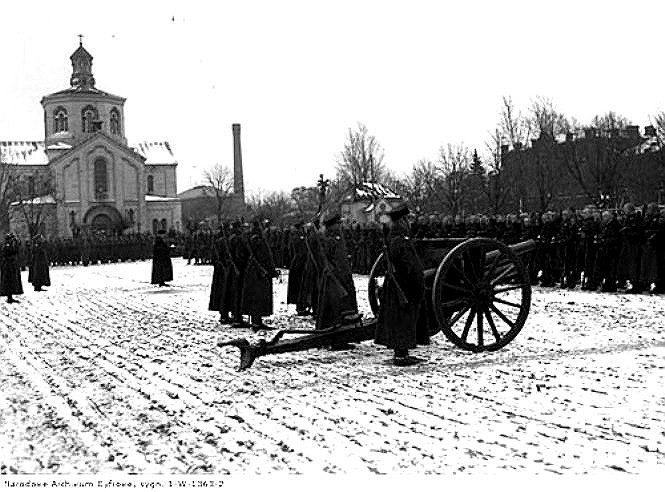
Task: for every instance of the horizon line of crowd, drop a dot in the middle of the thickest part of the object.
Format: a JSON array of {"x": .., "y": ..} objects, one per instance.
[{"x": 591, "y": 248}]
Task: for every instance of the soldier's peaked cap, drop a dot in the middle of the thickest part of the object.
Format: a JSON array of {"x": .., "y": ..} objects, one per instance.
[
  {"x": 332, "y": 218},
  {"x": 398, "y": 211}
]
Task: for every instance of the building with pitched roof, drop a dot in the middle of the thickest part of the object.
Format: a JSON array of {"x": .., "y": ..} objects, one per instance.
[
  {"x": 98, "y": 181},
  {"x": 367, "y": 202}
]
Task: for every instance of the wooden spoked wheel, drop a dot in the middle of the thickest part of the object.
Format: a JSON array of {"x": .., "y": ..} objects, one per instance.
[
  {"x": 375, "y": 284},
  {"x": 481, "y": 295}
]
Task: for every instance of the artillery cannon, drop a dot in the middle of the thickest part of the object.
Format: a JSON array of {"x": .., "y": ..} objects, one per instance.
[{"x": 469, "y": 282}]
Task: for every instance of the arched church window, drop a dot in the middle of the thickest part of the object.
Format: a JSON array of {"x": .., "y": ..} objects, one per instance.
[
  {"x": 163, "y": 224},
  {"x": 60, "y": 120},
  {"x": 31, "y": 185},
  {"x": 130, "y": 216},
  {"x": 155, "y": 226},
  {"x": 101, "y": 179},
  {"x": 88, "y": 117},
  {"x": 115, "y": 121},
  {"x": 151, "y": 184}
]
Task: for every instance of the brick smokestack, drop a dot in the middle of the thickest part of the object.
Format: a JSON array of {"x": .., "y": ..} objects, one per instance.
[{"x": 238, "y": 183}]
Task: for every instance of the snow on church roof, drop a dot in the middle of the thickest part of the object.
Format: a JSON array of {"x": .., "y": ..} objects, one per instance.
[
  {"x": 23, "y": 152},
  {"x": 156, "y": 153},
  {"x": 373, "y": 191},
  {"x": 33, "y": 152}
]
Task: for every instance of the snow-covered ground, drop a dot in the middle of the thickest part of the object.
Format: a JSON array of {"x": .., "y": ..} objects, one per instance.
[{"x": 105, "y": 372}]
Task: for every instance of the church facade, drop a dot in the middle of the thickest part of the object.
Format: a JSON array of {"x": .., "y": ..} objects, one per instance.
[{"x": 98, "y": 183}]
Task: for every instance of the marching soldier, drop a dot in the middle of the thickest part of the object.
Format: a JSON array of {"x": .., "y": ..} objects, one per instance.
[{"x": 403, "y": 293}]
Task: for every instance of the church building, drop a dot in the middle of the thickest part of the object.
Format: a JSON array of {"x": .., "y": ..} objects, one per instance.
[{"x": 98, "y": 182}]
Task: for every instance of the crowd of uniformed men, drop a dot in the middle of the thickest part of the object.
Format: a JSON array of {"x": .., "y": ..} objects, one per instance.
[
  {"x": 606, "y": 250},
  {"x": 591, "y": 248}
]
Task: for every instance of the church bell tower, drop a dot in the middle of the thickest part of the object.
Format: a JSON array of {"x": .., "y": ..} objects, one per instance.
[{"x": 81, "y": 68}]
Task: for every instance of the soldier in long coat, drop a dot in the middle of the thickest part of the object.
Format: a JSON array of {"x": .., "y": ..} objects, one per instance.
[
  {"x": 608, "y": 245},
  {"x": 10, "y": 271},
  {"x": 337, "y": 292},
  {"x": 298, "y": 254},
  {"x": 652, "y": 252},
  {"x": 403, "y": 293},
  {"x": 38, "y": 274},
  {"x": 630, "y": 262},
  {"x": 238, "y": 247},
  {"x": 220, "y": 276},
  {"x": 162, "y": 269},
  {"x": 257, "y": 288}
]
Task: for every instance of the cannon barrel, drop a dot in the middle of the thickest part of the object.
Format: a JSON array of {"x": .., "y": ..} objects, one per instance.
[{"x": 520, "y": 249}]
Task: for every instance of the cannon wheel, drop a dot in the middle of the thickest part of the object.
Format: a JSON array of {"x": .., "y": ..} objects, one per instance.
[
  {"x": 482, "y": 282},
  {"x": 375, "y": 283}
]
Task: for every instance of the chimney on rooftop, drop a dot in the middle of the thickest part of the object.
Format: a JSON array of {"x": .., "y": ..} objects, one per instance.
[{"x": 238, "y": 183}]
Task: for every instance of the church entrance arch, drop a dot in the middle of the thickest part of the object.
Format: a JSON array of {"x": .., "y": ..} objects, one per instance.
[
  {"x": 103, "y": 219},
  {"x": 102, "y": 223}
]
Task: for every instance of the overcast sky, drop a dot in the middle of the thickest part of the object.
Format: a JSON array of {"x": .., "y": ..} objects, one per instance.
[{"x": 297, "y": 74}]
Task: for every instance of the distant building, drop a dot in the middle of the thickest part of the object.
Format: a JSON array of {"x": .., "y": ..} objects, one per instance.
[
  {"x": 200, "y": 203},
  {"x": 614, "y": 166},
  {"x": 98, "y": 182},
  {"x": 367, "y": 202}
]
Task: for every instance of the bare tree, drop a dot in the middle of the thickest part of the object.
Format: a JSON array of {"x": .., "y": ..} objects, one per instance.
[
  {"x": 453, "y": 165},
  {"x": 548, "y": 123},
  {"x": 497, "y": 180},
  {"x": 361, "y": 160},
  {"x": 659, "y": 124},
  {"x": 220, "y": 179},
  {"x": 34, "y": 194},
  {"x": 277, "y": 206},
  {"x": 597, "y": 163},
  {"x": 422, "y": 186},
  {"x": 516, "y": 130},
  {"x": 6, "y": 174},
  {"x": 306, "y": 201}
]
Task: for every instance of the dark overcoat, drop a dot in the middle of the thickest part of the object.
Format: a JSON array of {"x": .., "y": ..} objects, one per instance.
[
  {"x": 39, "y": 271},
  {"x": 257, "y": 289},
  {"x": 632, "y": 235},
  {"x": 220, "y": 276},
  {"x": 298, "y": 254},
  {"x": 162, "y": 269},
  {"x": 398, "y": 326},
  {"x": 333, "y": 302},
  {"x": 10, "y": 271}
]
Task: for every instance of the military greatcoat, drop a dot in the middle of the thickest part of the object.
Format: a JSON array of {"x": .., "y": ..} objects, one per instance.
[
  {"x": 398, "y": 325},
  {"x": 10, "y": 271},
  {"x": 162, "y": 269}
]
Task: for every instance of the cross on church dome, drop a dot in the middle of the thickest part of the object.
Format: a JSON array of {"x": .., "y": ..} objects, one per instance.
[{"x": 82, "y": 68}]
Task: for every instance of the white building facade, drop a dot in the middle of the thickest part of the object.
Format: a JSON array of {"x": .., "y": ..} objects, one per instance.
[{"x": 100, "y": 183}]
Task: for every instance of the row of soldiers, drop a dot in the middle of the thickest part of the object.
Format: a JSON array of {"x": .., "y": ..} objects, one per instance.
[
  {"x": 93, "y": 249},
  {"x": 320, "y": 279},
  {"x": 594, "y": 249}
]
